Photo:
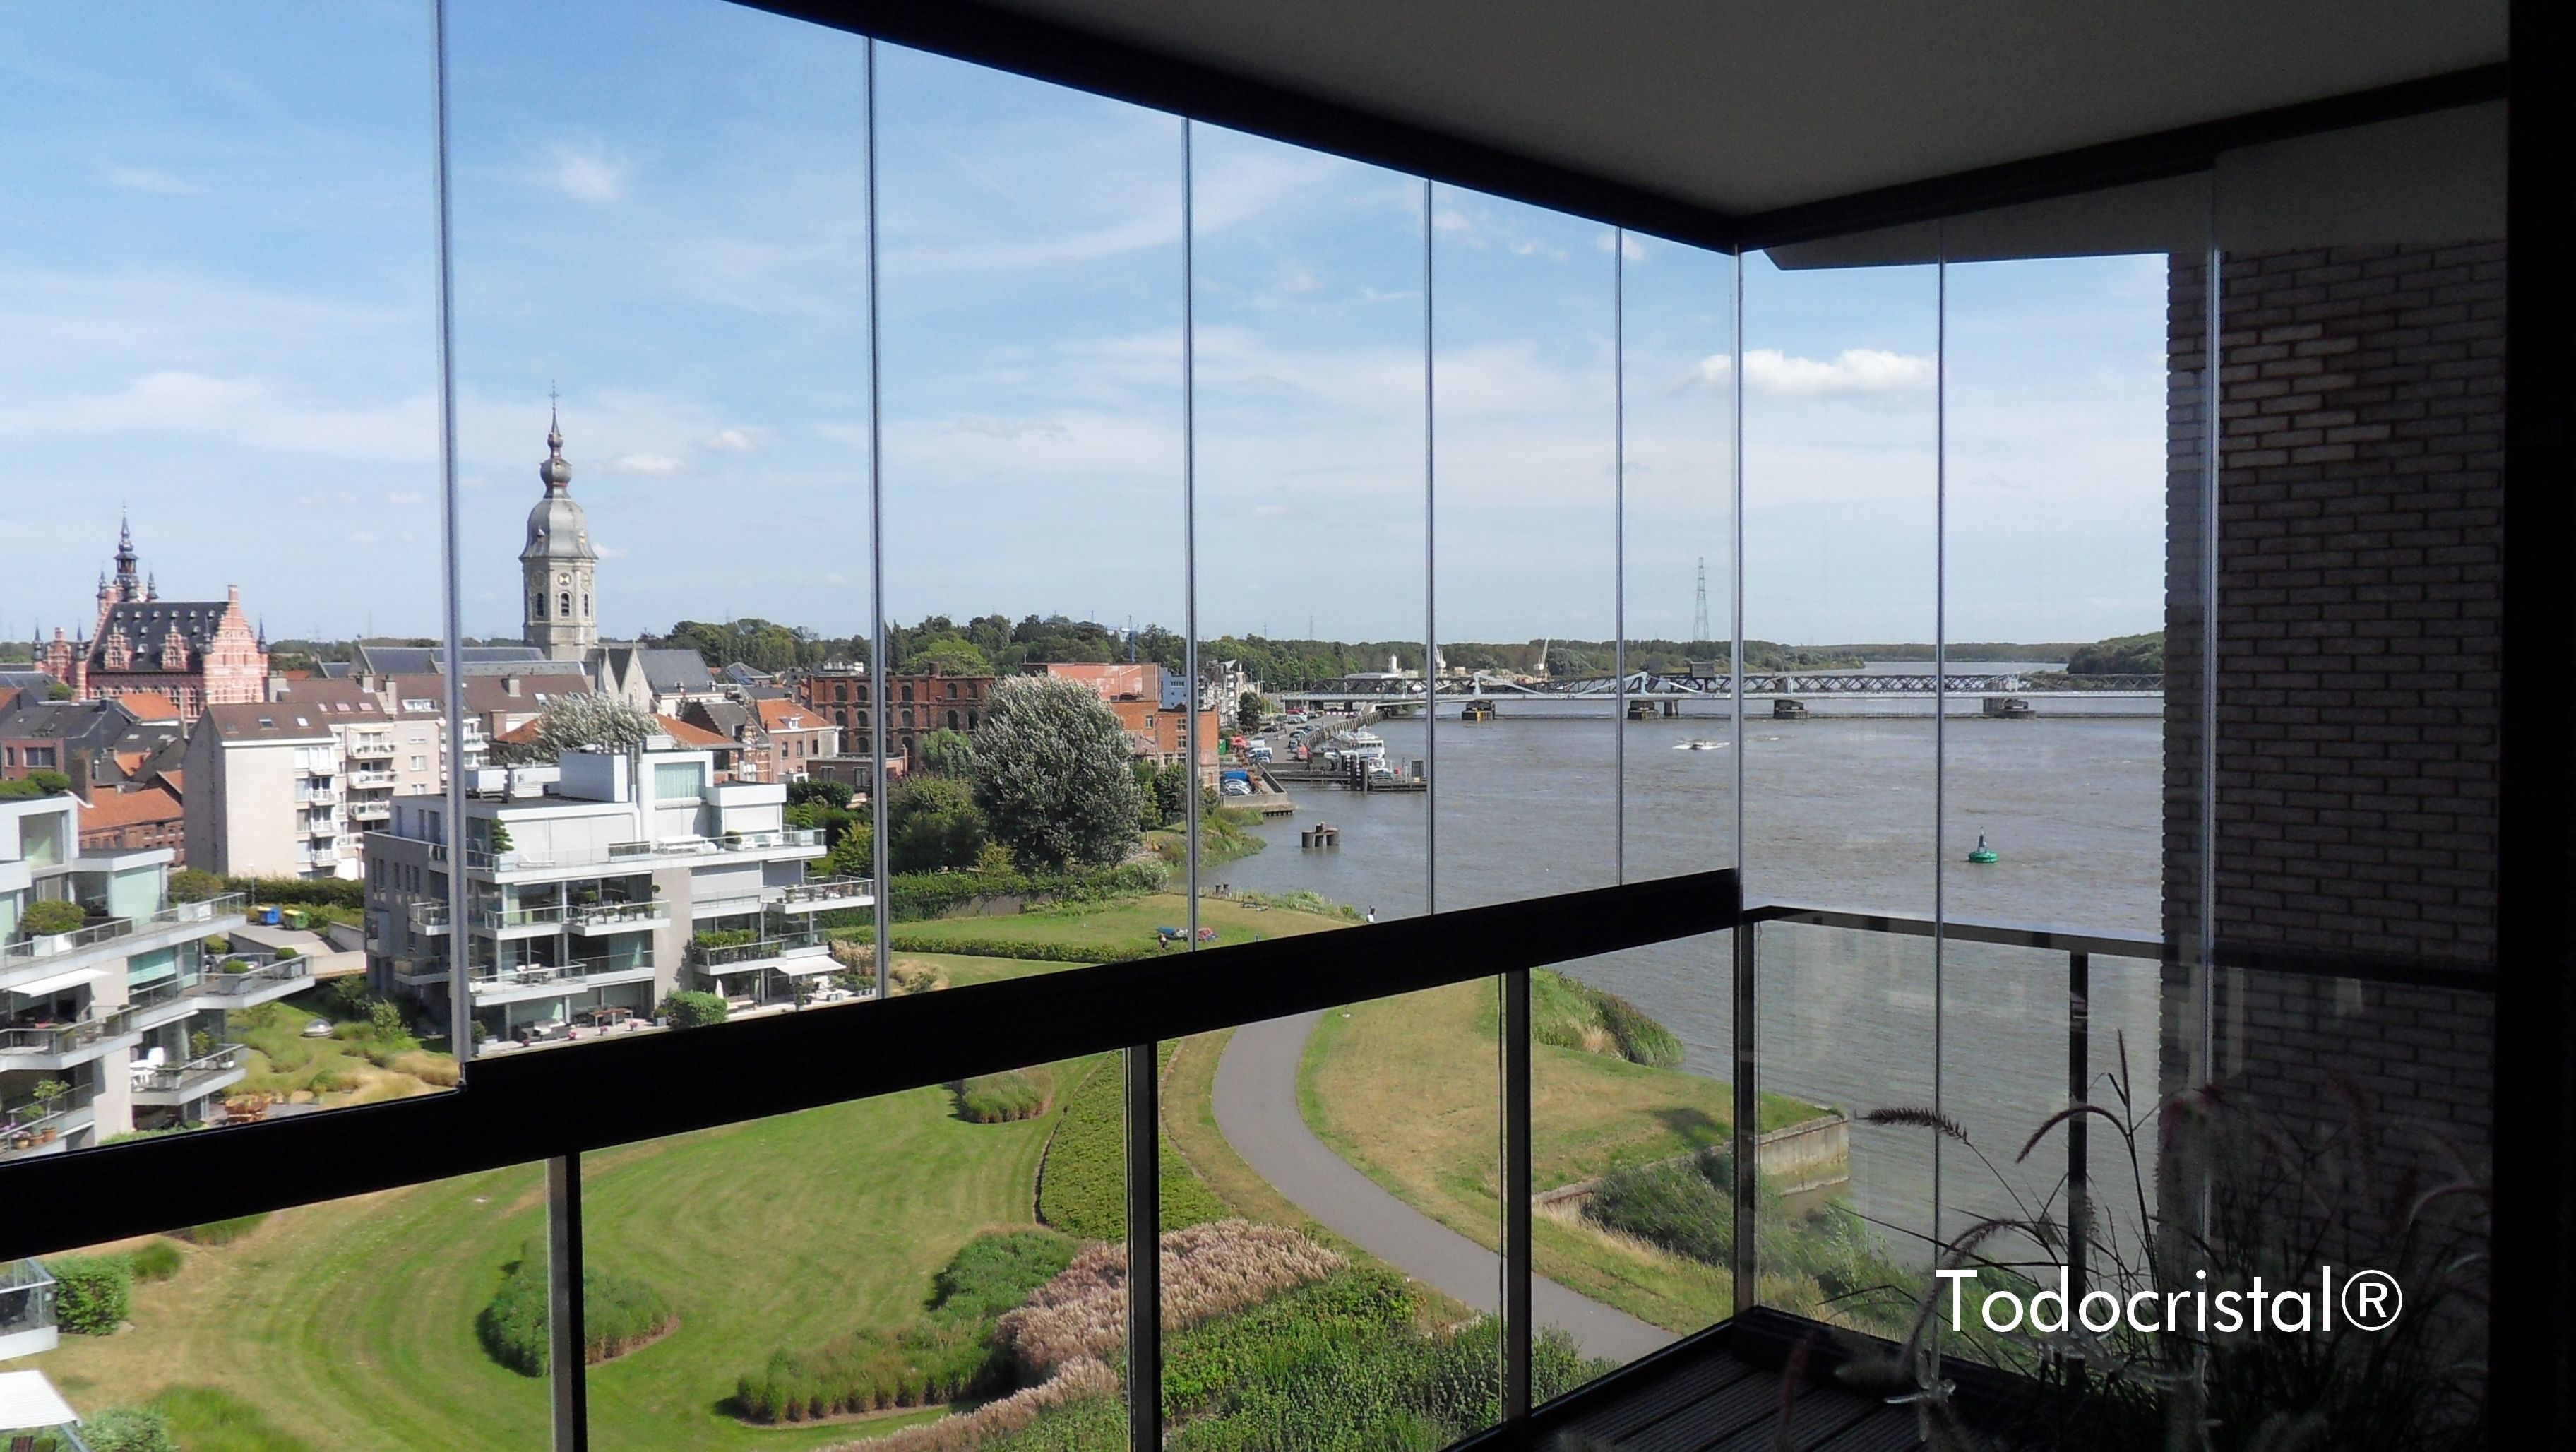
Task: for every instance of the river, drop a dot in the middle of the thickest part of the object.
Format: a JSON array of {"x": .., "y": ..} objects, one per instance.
[{"x": 1838, "y": 811}]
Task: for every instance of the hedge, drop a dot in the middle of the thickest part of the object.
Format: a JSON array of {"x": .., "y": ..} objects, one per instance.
[
  {"x": 157, "y": 1259},
  {"x": 223, "y": 1232},
  {"x": 1572, "y": 1014},
  {"x": 690, "y": 1009},
  {"x": 618, "y": 1314},
  {"x": 947, "y": 1354},
  {"x": 1007, "y": 1097},
  {"x": 92, "y": 1293},
  {"x": 917, "y": 895},
  {"x": 1012, "y": 948},
  {"x": 193, "y": 885},
  {"x": 128, "y": 1429},
  {"x": 1082, "y": 1183},
  {"x": 1682, "y": 1205}
]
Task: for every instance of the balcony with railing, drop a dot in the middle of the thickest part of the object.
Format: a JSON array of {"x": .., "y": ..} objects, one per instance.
[
  {"x": 20, "y": 956},
  {"x": 26, "y": 1310},
  {"x": 317, "y": 796},
  {"x": 33, "y": 1045},
  {"x": 821, "y": 894},
  {"x": 511, "y": 984},
  {"x": 370, "y": 748},
  {"x": 371, "y": 811},
  {"x": 183, "y": 1084},
  {"x": 37, "y": 1126},
  {"x": 252, "y": 985},
  {"x": 641, "y": 854}
]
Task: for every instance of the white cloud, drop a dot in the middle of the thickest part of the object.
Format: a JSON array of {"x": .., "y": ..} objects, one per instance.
[
  {"x": 733, "y": 441},
  {"x": 243, "y": 410},
  {"x": 1298, "y": 278},
  {"x": 403, "y": 498},
  {"x": 1270, "y": 511},
  {"x": 835, "y": 577},
  {"x": 650, "y": 466},
  {"x": 1005, "y": 428},
  {"x": 149, "y": 179},
  {"x": 586, "y": 172},
  {"x": 608, "y": 551},
  {"x": 1633, "y": 247},
  {"x": 1853, "y": 370}
]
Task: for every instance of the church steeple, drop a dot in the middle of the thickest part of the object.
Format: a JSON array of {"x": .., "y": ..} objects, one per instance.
[
  {"x": 557, "y": 566},
  {"x": 129, "y": 583}
]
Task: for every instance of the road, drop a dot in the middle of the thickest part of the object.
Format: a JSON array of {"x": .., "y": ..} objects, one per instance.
[{"x": 1256, "y": 1109}]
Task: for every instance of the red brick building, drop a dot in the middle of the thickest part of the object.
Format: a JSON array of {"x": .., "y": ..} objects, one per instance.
[
  {"x": 922, "y": 704},
  {"x": 198, "y": 653}
]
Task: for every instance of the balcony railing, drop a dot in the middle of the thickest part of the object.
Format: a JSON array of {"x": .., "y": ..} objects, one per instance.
[
  {"x": 372, "y": 780},
  {"x": 252, "y": 981},
  {"x": 429, "y": 917},
  {"x": 33, "y": 1124},
  {"x": 368, "y": 749},
  {"x": 568, "y": 976},
  {"x": 826, "y": 890},
  {"x": 735, "y": 955},
  {"x": 193, "y": 1077},
  {"x": 371, "y": 811},
  {"x": 22, "y": 951},
  {"x": 516, "y": 860},
  {"x": 317, "y": 797},
  {"x": 61, "y": 1039},
  {"x": 617, "y": 914}
]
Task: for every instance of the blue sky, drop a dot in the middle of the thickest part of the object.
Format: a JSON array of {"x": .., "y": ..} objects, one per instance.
[{"x": 217, "y": 279}]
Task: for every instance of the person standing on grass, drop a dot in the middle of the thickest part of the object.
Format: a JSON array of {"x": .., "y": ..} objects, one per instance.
[{"x": 1372, "y": 912}]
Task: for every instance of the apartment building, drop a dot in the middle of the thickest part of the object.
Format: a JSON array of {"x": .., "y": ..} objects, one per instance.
[
  {"x": 922, "y": 704},
  {"x": 597, "y": 885},
  {"x": 264, "y": 790},
  {"x": 115, "y": 1021}
]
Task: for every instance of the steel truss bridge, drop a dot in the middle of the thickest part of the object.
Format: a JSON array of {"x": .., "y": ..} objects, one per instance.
[{"x": 1668, "y": 686}]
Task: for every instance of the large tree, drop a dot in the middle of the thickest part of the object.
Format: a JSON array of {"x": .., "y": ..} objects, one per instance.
[
  {"x": 1052, "y": 775},
  {"x": 586, "y": 722},
  {"x": 932, "y": 823}
]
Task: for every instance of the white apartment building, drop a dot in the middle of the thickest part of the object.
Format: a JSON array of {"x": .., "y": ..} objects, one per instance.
[
  {"x": 597, "y": 886},
  {"x": 100, "y": 1024},
  {"x": 268, "y": 790}
]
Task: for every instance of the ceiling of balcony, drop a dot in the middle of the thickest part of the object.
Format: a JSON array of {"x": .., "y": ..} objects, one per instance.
[{"x": 1746, "y": 107}]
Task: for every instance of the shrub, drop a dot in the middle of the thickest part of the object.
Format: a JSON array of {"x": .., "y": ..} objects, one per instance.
[
  {"x": 993, "y": 1273},
  {"x": 347, "y": 892},
  {"x": 1013, "y": 948},
  {"x": 1003, "y": 1098},
  {"x": 1682, "y": 1206},
  {"x": 1572, "y": 1014},
  {"x": 870, "y": 1370},
  {"x": 45, "y": 918},
  {"x": 222, "y": 1232},
  {"x": 1082, "y": 1183},
  {"x": 428, "y": 1068},
  {"x": 688, "y": 1008},
  {"x": 387, "y": 1020},
  {"x": 157, "y": 1259},
  {"x": 347, "y": 997},
  {"x": 92, "y": 1293},
  {"x": 207, "y": 1420},
  {"x": 191, "y": 884},
  {"x": 128, "y": 1429},
  {"x": 287, "y": 953},
  {"x": 1209, "y": 1271},
  {"x": 618, "y": 1314}
]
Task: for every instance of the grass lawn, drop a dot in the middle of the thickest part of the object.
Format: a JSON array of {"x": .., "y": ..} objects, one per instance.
[
  {"x": 350, "y": 1325},
  {"x": 336, "y": 1071},
  {"x": 1405, "y": 1089},
  {"x": 1123, "y": 926}
]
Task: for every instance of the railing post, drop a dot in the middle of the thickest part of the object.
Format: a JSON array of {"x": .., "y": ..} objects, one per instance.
[
  {"x": 2079, "y": 1084},
  {"x": 1144, "y": 1251},
  {"x": 567, "y": 1363},
  {"x": 1747, "y": 1116},
  {"x": 1517, "y": 1330}
]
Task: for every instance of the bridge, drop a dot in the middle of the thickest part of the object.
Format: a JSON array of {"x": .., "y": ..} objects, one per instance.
[{"x": 1382, "y": 689}]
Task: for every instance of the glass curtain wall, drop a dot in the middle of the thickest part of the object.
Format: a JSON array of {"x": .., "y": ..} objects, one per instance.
[{"x": 1841, "y": 514}]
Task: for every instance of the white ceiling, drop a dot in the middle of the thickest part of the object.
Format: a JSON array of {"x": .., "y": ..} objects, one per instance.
[{"x": 1748, "y": 106}]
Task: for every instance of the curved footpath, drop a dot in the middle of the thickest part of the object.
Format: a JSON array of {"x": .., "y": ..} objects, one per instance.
[{"x": 1256, "y": 1109}]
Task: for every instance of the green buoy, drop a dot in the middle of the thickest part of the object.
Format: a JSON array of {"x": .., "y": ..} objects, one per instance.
[{"x": 1983, "y": 853}]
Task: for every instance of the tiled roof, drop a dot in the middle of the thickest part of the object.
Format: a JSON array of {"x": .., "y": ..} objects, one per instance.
[
  {"x": 688, "y": 735},
  {"x": 271, "y": 721},
  {"x": 126, "y": 809},
  {"x": 149, "y": 706},
  {"x": 786, "y": 715},
  {"x": 147, "y": 623}
]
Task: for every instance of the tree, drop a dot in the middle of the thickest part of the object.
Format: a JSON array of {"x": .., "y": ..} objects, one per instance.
[
  {"x": 815, "y": 789},
  {"x": 1248, "y": 712},
  {"x": 49, "y": 916},
  {"x": 948, "y": 753},
  {"x": 948, "y": 655},
  {"x": 191, "y": 884},
  {"x": 588, "y": 722},
  {"x": 1052, "y": 776},
  {"x": 855, "y": 855},
  {"x": 932, "y": 822},
  {"x": 36, "y": 784}
]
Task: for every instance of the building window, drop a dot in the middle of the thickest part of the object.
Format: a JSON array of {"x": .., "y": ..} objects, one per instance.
[
  {"x": 564, "y": 601},
  {"x": 907, "y": 691}
]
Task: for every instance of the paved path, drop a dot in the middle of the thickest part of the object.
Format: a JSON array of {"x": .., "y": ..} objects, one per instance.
[{"x": 1256, "y": 1108}]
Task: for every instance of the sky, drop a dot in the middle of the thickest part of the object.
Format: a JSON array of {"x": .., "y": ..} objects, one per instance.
[{"x": 217, "y": 279}]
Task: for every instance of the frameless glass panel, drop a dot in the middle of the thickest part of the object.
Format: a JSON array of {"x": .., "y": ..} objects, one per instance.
[
  {"x": 1525, "y": 566},
  {"x": 1310, "y": 525},
  {"x": 1678, "y": 565},
  {"x": 218, "y": 272},
  {"x": 1333, "y": 1271},
  {"x": 2054, "y": 765},
  {"x": 866, "y": 1270},
  {"x": 1840, "y": 620},
  {"x": 240, "y": 1333},
  {"x": 661, "y": 316},
  {"x": 1033, "y": 516},
  {"x": 1845, "y": 1157}
]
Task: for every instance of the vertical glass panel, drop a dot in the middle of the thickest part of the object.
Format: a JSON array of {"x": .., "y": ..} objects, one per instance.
[
  {"x": 211, "y": 1332},
  {"x": 1678, "y": 421},
  {"x": 661, "y": 358},
  {"x": 1525, "y": 564},
  {"x": 218, "y": 271},
  {"x": 1840, "y": 619},
  {"x": 1843, "y": 1207},
  {"x": 1310, "y": 521},
  {"x": 1348, "y": 1158},
  {"x": 867, "y": 1270},
  {"x": 2053, "y": 755},
  {"x": 1033, "y": 519}
]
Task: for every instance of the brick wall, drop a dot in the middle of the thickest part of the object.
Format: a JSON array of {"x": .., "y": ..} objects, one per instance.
[{"x": 2358, "y": 599}]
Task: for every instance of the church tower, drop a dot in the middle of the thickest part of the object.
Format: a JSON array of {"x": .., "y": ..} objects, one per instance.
[{"x": 557, "y": 567}]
